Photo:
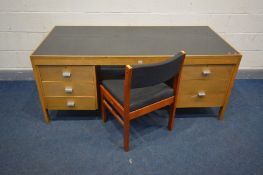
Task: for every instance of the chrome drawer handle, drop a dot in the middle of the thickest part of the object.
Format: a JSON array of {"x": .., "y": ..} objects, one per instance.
[
  {"x": 68, "y": 90},
  {"x": 66, "y": 74},
  {"x": 206, "y": 72},
  {"x": 201, "y": 94},
  {"x": 70, "y": 103}
]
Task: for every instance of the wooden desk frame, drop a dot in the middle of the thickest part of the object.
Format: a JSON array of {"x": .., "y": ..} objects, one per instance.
[
  {"x": 125, "y": 60},
  {"x": 94, "y": 60}
]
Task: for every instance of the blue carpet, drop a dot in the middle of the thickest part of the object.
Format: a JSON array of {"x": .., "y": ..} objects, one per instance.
[{"x": 79, "y": 143}]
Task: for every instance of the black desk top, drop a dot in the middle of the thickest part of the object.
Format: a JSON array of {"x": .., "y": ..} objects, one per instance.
[{"x": 95, "y": 40}]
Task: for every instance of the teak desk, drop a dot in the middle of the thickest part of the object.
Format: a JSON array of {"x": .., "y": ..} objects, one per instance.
[{"x": 64, "y": 63}]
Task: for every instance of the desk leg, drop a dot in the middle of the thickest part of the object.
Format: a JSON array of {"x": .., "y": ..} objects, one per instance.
[
  {"x": 221, "y": 112},
  {"x": 40, "y": 93},
  {"x": 229, "y": 88},
  {"x": 46, "y": 116}
]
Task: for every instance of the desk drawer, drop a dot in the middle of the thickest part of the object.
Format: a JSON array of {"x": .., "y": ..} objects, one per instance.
[
  {"x": 69, "y": 88},
  {"x": 202, "y": 93},
  {"x": 193, "y": 86},
  {"x": 210, "y": 100},
  {"x": 201, "y": 72},
  {"x": 67, "y": 73},
  {"x": 68, "y": 103}
]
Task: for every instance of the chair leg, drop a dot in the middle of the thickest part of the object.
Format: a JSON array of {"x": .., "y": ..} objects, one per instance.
[
  {"x": 126, "y": 135},
  {"x": 171, "y": 116},
  {"x": 103, "y": 109}
]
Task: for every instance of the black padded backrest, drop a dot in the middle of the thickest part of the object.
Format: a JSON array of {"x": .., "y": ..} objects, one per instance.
[{"x": 151, "y": 74}]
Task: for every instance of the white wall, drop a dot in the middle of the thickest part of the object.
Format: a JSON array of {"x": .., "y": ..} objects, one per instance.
[{"x": 24, "y": 23}]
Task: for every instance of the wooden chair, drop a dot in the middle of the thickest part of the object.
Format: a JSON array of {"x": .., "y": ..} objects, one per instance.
[{"x": 142, "y": 92}]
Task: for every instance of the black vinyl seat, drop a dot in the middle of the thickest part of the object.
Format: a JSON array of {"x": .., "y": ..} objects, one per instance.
[{"x": 140, "y": 97}]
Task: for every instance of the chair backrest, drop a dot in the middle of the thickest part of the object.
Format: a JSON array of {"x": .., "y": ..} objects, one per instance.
[{"x": 151, "y": 74}]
